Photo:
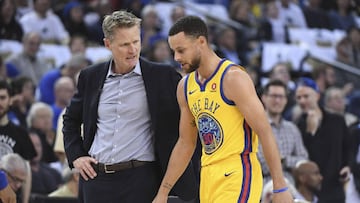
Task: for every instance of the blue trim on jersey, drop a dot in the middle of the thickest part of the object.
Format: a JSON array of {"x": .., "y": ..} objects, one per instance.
[
  {"x": 185, "y": 86},
  {"x": 247, "y": 138},
  {"x": 202, "y": 86},
  {"x": 225, "y": 99},
  {"x": 246, "y": 181}
]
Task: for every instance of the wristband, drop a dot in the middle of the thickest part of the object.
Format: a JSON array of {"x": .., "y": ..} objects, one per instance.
[
  {"x": 280, "y": 190},
  {"x": 3, "y": 180}
]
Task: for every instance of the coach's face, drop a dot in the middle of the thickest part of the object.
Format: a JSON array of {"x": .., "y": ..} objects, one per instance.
[
  {"x": 187, "y": 51},
  {"x": 125, "y": 46}
]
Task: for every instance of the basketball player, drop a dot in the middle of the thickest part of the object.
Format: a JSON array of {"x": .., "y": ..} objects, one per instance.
[{"x": 218, "y": 100}]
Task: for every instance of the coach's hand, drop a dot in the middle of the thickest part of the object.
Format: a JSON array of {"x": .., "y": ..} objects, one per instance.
[{"x": 83, "y": 164}]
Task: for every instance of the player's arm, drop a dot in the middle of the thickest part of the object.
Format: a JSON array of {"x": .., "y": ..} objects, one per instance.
[
  {"x": 183, "y": 150},
  {"x": 239, "y": 88}
]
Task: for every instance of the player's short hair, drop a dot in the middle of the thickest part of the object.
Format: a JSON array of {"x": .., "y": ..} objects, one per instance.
[{"x": 191, "y": 26}]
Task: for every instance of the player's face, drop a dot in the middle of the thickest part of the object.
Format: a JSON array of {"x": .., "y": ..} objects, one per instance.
[
  {"x": 307, "y": 98},
  {"x": 125, "y": 47},
  {"x": 4, "y": 102},
  {"x": 275, "y": 100},
  {"x": 186, "y": 51}
]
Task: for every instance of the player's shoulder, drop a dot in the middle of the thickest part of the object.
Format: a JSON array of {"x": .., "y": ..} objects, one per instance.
[
  {"x": 237, "y": 67},
  {"x": 235, "y": 72}
]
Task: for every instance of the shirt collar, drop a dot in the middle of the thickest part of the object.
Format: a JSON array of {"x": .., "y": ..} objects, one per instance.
[
  {"x": 273, "y": 123},
  {"x": 136, "y": 70}
]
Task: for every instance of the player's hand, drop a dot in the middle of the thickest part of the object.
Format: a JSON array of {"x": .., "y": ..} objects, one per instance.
[
  {"x": 283, "y": 197},
  {"x": 7, "y": 195},
  {"x": 83, "y": 164}
]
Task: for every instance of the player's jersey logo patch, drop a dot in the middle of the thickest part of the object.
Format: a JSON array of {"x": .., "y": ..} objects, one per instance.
[{"x": 210, "y": 132}]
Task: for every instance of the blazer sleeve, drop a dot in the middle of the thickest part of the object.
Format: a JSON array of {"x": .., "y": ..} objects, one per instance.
[{"x": 73, "y": 142}]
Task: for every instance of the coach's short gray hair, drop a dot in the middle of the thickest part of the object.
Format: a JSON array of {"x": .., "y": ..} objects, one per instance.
[{"x": 119, "y": 19}]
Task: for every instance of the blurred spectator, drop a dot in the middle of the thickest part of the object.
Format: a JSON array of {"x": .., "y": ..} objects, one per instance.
[
  {"x": 64, "y": 89},
  {"x": 282, "y": 71},
  {"x": 46, "y": 86},
  {"x": 315, "y": 16},
  {"x": 150, "y": 27},
  {"x": 247, "y": 36},
  {"x": 134, "y": 6},
  {"x": 257, "y": 7},
  {"x": 22, "y": 99},
  {"x": 70, "y": 188},
  {"x": 272, "y": 27},
  {"x": 39, "y": 120},
  {"x": 94, "y": 19},
  {"x": 322, "y": 128},
  {"x": 348, "y": 52},
  {"x": 13, "y": 139},
  {"x": 342, "y": 18},
  {"x": 161, "y": 52},
  {"x": 23, "y": 7},
  {"x": 335, "y": 102},
  {"x": 43, "y": 21},
  {"x": 225, "y": 3},
  {"x": 324, "y": 76},
  {"x": 3, "y": 71},
  {"x": 26, "y": 62},
  {"x": 226, "y": 41},
  {"x": 291, "y": 14},
  {"x": 348, "y": 49},
  {"x": 287, "y": 135},
  {"x": 177, "y": 12},
  {"x": 307, "y": 181},
  {"x": 78, "y": 44},
  {"x": 16, "y": 171},
  {"x": 44, "y": 178},
  {"x": 73, "y": 17},
  {"x": 9, "y": 27}
]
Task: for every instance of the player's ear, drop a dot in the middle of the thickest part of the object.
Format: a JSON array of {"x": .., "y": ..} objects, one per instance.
[{"x": 202, "y": 40}]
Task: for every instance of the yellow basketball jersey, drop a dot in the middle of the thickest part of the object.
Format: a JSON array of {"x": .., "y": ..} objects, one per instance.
[{"x": 222, "y": 128}]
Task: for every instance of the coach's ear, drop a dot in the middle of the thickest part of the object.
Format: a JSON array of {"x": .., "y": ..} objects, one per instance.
[{"x": 107, "y": 43}]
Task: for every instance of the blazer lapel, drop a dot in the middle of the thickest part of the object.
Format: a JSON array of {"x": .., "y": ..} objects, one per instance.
[
  {"x": 149, "y": 77},
  {"x": 98, "y": 80}
]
